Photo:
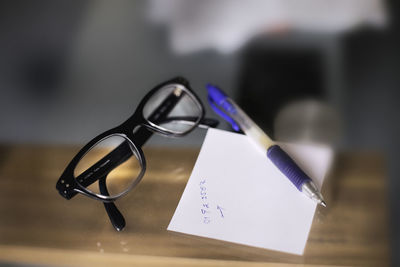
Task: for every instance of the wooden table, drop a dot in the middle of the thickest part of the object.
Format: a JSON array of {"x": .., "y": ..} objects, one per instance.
[{"x": 38, "y": 226}]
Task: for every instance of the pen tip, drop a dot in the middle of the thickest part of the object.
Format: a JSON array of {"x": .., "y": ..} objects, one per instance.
[{"x": 323, "y": 203}]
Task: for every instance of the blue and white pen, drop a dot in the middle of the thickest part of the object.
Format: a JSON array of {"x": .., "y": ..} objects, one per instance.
[{"x": 227, "y": 109}]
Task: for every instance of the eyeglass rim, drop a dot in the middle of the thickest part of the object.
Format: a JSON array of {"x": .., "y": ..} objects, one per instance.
[
  {"x": 151, "y": 126},
  {"x": 124, "y": 129},
  {"x": 139, "y": 155},
  {"x": 158, "y": 129}
]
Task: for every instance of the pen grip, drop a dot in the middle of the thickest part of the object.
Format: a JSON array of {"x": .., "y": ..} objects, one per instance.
[{"x": 287, "y": 166}]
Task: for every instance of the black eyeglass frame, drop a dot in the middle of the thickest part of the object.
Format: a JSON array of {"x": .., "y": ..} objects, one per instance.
[{"x": 67, "y": 184}]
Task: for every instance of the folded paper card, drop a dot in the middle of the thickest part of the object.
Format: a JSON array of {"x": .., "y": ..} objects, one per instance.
[{"x": 237, "y": 195}]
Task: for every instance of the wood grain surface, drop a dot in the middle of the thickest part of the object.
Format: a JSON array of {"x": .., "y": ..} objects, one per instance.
[{"x": 38, "y": 226}]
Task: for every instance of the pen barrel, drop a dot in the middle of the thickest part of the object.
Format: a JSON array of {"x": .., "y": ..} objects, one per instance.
[{"x": 287, "y": 166}]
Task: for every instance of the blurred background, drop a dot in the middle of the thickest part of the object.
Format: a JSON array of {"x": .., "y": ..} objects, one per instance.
[{"x": 304, "y": 70}]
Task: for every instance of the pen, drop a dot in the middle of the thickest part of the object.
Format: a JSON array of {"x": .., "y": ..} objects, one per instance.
[{"x": 231, "y": 112}]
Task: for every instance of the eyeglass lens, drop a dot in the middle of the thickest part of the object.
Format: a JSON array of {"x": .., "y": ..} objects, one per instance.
[
  {"x": 183, "y": 114},
  {"x": 121, "y": 169}
]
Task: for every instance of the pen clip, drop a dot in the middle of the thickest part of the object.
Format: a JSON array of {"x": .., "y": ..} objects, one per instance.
[{"x": 220, "y": 107}]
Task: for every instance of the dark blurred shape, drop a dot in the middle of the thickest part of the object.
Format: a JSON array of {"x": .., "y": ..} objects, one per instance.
[
  {"x": 274, "y": 76},
  {"x": 36, "y": 42},
  {"x": 43, "y": 72}
]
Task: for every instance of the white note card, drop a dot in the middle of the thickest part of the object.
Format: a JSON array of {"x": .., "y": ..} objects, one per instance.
[{"x": 236, "y": 194}]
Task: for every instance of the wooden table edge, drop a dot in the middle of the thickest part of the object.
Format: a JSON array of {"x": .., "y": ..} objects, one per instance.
[{"x": 58, "y": 257}]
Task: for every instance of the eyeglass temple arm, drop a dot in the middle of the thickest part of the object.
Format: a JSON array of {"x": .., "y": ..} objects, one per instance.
[
  {"x": 105, "y": 165},
  {"x": 116, "y": 217}
]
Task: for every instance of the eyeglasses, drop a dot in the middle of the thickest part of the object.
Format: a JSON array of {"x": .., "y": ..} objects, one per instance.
[{"x": 113, "y": 163}]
